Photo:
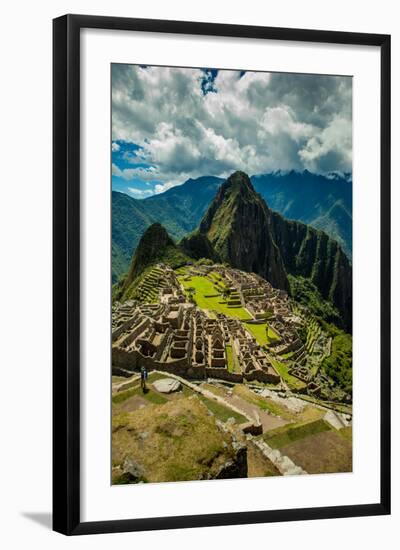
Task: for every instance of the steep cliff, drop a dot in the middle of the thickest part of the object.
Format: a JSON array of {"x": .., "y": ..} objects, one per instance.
[{"x": 197, "y": 245}]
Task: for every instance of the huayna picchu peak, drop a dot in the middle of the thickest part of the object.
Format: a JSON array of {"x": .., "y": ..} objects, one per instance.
[
  {"x": 239, "y": 228},
  {"x": 236, "y": 224}
]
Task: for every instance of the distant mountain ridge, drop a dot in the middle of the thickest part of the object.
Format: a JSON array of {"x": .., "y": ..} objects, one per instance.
[
  {"x": 179, "y": 210},
  {"x": 325, "y": 202}
]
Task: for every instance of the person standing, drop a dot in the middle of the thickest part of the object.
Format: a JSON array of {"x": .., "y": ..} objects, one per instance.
[{"x": 143, "y": 378}]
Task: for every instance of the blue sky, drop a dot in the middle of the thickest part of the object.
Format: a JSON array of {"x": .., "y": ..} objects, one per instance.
[
  {"x": 170, "y": 124},
  {"x": 125, "y": 156}
]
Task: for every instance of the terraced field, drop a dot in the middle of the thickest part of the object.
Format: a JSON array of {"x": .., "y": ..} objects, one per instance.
[
  {"x": 293, "y": 432},
  {"x": 313, "y": 331},
  {"x": 133, "y": 398},
  {"x": 147, "y": 291}
]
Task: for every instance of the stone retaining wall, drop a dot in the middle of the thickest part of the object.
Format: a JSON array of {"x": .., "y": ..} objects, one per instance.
[
  {"x": 283, "y": 463},
  {"x": 224, "y": 374},
  {"x": 262, "y": 376}
]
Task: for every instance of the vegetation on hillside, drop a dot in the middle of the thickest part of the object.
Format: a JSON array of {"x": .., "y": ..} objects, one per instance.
[
  {"x": 306, "y": 293},
  {"x": 339, "y": 365},
  {"x": 155, "y": 247},
  {"x": 181, "y": 208}
]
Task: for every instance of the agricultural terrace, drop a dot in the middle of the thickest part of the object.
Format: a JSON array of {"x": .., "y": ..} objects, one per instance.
[{"x": 148, "y": 285}]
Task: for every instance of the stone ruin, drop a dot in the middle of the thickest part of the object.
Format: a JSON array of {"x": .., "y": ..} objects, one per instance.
[{"x": 176, "y": 336}]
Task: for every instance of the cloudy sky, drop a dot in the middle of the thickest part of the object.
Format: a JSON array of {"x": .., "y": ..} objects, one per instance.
[{"x": 171, "y": 124}]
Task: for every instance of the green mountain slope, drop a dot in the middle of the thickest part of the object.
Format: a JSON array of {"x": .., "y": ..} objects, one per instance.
[
  {"x": 155, "y": 246},
  {"x": 129, "y": 221},
  {"x": 337, "y": 221},
  {"x": 179, "y": 210}
]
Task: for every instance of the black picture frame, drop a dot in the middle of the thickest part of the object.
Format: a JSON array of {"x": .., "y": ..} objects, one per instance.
[{"x": 66, "y": 273}]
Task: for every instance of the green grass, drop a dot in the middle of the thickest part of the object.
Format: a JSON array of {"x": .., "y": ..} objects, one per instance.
[
  {"x": 229, "y": 359},
  {"x": 284, "y": 435},
  {"x": 338, "y": 407},
  {"x": 287, "y": 355},
  {"x": 222, "y": 412},
  {"x": 282, "y": 370},
  {"x": 151, "y": 396},
  {"x": 347, "y": 433},
  {"x": 208, "y": 297},
  {"x": 262, "y": 333}
]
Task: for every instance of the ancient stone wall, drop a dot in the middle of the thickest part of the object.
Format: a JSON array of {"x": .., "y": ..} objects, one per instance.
[
  {"x": 141, "y": 327},
  {"x": 224, "y": 374},
  {"x": 116, "y": 333},
  {"x": 261, "y": 376}
]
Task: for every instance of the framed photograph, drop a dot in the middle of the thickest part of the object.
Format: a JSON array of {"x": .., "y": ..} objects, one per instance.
[{"x": 221, "y": 274}]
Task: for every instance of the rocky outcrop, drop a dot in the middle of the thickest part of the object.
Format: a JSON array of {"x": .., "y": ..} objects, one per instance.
[
  {"x": 236, "y": 467},
  {"x": 167, "y": 385}
]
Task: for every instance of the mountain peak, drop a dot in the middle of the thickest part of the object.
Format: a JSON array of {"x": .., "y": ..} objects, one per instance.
[
  {"x": 156, "y": 231},
  {"x": 155, "y": 246},
  {"x": 236, "y": 190},
  {"x": 237, "y": 226},
  {"x": 238, "y": 182},
  {"x": 152, "y": 245}
]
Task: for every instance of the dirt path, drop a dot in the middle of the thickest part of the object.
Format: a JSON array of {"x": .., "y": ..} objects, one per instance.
[{"x": 268, "y": 421}]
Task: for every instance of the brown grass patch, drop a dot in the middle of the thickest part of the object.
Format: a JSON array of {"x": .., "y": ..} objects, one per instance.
[
  {"x": 321, "y": 453},
  {"x": 173, "y": 442}
]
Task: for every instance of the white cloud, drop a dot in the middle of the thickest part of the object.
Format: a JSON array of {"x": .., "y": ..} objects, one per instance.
[
  {"x": 333, "y": 144},
  {"x": 161, "y": 187},
  {"x": 116, "y": 171},
  {"x": 144, "y": 174},
  {"x": 140, "y": 193},
  {"x": 257, "y": 122},
  {"x": 115, "y": 147}
]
